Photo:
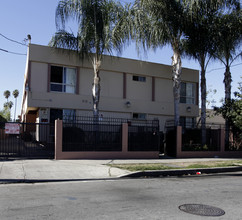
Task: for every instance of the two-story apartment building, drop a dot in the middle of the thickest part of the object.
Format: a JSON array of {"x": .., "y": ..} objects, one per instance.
[{"x": 57, "y": 83}]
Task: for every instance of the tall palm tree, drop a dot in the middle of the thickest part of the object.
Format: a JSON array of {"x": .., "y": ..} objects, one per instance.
[
  {"x": 228, "y": 50},
  {"x": 96, "y": 34},
  {"x": 201, "y": 33},
  {"x": 15, "y": 95},
  {"x": 158, "y": 23},
  {"x": 7, "y": 94}
]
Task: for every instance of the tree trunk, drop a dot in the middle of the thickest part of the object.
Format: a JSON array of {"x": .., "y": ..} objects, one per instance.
[
  {"x": 15, "y": 109},
  {"x": 227, "y": 85},
  {"x": 96, "y": 88},
  {"x": 203, "y": 104},
  {"x": 176, "y": 78}
]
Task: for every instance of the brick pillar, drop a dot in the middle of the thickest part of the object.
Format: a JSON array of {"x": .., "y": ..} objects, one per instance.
[
  {"x": 125, "y": 129},
  {"x": 178, "y": 141},
  {"x": 58, "y": 138}
]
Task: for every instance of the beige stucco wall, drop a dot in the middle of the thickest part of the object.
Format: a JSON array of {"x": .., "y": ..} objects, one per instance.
[
  {"x": 112, "y": 103},
  {"x": 39, "y": 77},
  {"x": 139, "y": 90},
  {"x": 111, "y": 84}
]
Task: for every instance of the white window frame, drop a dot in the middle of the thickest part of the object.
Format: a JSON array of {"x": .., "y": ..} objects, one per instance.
[{"x": 65, "y": 86}]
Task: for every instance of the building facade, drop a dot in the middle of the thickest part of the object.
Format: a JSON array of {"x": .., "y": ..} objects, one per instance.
[{"x": 57, "y": 82}]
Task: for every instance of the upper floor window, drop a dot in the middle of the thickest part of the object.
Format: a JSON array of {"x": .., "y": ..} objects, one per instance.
[
  {"x": 139, "y": 78},
  {"x": 188, "y": 93},
  {"x": 63, "y": 79}
]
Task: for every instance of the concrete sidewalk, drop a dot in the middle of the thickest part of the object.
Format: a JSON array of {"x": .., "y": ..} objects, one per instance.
[{"x": 32, "y": 170}]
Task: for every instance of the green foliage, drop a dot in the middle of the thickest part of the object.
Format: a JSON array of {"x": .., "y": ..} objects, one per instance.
[
  {"x": 5, "y": 115},
  {"x": 96, "y": 21},
  {"x": 2, "y": 119},
  {"x": 231, "y": 110},
  {"x": 15, "y": 93},
  {"x": 7, "y": 94}
]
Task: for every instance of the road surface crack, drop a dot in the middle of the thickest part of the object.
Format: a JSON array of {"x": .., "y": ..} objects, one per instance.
[{"x": 24, "y": 173}]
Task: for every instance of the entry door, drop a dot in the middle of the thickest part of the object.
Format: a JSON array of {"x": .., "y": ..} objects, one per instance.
[{"x": 55, "y": 114}]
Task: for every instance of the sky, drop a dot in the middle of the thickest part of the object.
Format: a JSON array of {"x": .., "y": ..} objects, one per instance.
[{"x": 37, "y": 18}]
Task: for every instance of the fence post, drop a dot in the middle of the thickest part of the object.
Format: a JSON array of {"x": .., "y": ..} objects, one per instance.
[
  {"x": 178, "y": 141},
  {"x": 125, "y": 133},
  {"x": 58, "y": 138}
]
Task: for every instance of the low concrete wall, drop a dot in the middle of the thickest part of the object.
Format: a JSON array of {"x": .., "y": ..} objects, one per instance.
[
  {"x": 205, "y": 154},
  {"x": 124, "y": 154}
]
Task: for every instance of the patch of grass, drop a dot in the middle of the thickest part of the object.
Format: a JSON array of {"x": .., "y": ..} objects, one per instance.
[
  {"x": 141, "y": 167},
  {"x": 188, "y": 165},
  {"x": 194, "y": 166}
]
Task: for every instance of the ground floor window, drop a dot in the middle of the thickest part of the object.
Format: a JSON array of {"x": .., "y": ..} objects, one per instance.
[
  {"x": 141, "y": 116},
  {"x": 187, "y": 122},
  {"x": 66, "y": 115}
]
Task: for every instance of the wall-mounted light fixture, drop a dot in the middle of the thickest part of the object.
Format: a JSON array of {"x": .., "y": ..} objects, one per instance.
[
  {"x": 189, "y": 109},
  {"x": 128, "y": 104}
]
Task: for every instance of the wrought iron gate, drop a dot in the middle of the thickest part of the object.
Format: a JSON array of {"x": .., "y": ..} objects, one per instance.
[{"x": 28, "y": 140}]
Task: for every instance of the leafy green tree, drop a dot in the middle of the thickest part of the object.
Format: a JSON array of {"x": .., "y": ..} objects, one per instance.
[
  {"x": 15, "y": 95},
  {"x": 160, "y": 23},
  {"x": 7, "y": 109},
  {"x": 2, "y": 119},
  {"x": 5, "y": 114},
  {"x": 231, "y": 111},
  {"x": 96, "y": 35}
]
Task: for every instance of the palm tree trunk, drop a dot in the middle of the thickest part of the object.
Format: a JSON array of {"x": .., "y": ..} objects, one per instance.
[
  {"x": 203, "y": 104},
  {"x": 15, "y": 109},
  {"x": 176, "y": 77},
  {"x": 227, "y": 85},
  {"x": 96, "y": 88}
]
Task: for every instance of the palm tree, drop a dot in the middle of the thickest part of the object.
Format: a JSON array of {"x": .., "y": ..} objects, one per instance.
[
  {"x": 7, "y": 94},
  {"x": 160, "y": 23},
  {"x": 228, "y": 45},
  {"x": 15, "y": 95},
  {"x": 201, "y": 33},
  {"x": 96, "y": 34}
]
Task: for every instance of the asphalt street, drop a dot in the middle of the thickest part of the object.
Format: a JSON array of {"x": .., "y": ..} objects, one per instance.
[{"x": 145, "y": 198}]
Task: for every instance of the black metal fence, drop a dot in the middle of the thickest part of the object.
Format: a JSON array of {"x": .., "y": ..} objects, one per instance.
[
  {"x": 144, "y": 136},
  {"x": 192, "y": 139},
  {"x": 30, "y": 140},
  {"x": 92, "y": 137},
  {"x": 105, "y": 134}
]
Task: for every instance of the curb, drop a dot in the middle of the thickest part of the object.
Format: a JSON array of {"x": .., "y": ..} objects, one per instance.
[
  {"x": 32, "y": 181},
  {"x": 162, "y": 173}
]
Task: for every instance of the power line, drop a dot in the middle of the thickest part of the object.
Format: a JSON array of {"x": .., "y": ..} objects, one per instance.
[
  {"x": 223, "y": 68},
  {"x": 23, "y": 54},
  {"x": 13, "y": 40}
]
